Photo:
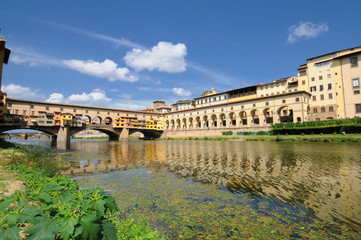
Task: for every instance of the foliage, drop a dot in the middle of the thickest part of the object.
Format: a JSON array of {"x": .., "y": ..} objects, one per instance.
[
  {"x": 56, "y": 208},
  {"x": 352, "y": 125},
  {"x": 225, "y": 133},
  {"x": 130, "y": 228}
]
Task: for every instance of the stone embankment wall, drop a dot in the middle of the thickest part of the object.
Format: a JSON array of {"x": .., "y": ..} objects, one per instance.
[{"x": 200, "y": 133}]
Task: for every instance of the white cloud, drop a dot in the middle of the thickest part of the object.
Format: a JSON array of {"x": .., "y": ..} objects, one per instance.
[
  {"x": 95, "y": 98},
  {"x": 306, "y": 30},
  {"x": 56, "y": 98},
  {"x": 165, "y": 57},
  {"x": 126, "y": 96},
  {"x": 17, "y": 91},
  {"x": 181, "y": 92},
  {"x": 107, "y": 69}
]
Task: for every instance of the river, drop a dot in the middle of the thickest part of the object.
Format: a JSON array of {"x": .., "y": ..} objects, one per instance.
[{"x": 224, "y": 189}]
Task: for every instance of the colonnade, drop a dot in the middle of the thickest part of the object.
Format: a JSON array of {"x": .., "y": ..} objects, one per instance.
[{"x": 234, "y": 119}]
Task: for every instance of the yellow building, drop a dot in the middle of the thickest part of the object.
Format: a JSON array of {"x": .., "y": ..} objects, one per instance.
[
  {"x": 2, "y": 107},
  {"x": 333, "y": 81},
  {"x": 66, "y": 119}
]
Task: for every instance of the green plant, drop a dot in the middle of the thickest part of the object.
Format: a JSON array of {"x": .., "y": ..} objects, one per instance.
[
  {"x": 225, "y": 133},
  {"x": 130, "y": 228},
  {"x": 56, "y": 208}
]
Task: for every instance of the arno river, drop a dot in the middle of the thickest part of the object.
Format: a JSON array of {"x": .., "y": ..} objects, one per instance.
[{"x": 193, "y": 188}]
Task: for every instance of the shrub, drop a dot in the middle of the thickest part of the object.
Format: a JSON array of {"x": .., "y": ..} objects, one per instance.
[{"x": 225, "y": 133}]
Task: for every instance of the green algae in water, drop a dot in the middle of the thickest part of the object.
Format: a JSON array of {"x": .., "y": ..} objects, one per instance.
[{"x": 183, "y": 208}]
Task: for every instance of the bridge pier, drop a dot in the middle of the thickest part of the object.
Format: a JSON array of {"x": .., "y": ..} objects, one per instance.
[
  {"x": 63, "y": 138},
  {"x": 124, "y": 134}
]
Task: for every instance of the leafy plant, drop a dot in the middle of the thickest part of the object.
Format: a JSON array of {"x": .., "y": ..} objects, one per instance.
[{"x": 57, "y": 208}]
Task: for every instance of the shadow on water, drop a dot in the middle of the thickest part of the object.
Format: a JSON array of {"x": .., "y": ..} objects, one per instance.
[{"x": 321, "y": 180}]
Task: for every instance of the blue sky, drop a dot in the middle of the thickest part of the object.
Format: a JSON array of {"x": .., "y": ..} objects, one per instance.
[{"x": 126, "y": 54}]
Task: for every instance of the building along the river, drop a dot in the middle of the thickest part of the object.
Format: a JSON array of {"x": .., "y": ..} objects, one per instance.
[{"x": 333, "y": 79}]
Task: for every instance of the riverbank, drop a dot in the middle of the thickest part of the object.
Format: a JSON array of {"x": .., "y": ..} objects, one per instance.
[
  {"x": 51, "y": 206},
  {"x": 281, "y": 138}
]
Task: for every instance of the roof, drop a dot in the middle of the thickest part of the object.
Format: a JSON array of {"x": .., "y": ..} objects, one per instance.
[
  {"x": 348, "y": 55},
  {"x": 333, "y": 52},
  {"x": 74, "y": 106},
  {"x": 247, "y": 100}
]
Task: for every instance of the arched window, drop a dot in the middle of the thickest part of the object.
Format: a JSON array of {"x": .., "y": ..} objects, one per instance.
[
  {"x": 323, "y": 109},
  {"x": 315, "y": 110},
  {"x": 330, "y": 109}
]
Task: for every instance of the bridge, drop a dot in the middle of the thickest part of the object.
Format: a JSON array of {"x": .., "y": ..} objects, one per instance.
[{"x": 51, "y": 118}]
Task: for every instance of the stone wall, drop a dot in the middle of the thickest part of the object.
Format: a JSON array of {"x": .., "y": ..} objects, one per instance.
[{"x": 206, "y": 132}]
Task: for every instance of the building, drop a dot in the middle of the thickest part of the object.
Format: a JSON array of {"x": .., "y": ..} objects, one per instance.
[
  {"x": 211, "y": 97},
  {"x": 164, "y": 109},
  {"x": 333, "y": 80},
  {"x": 182, "y": 105}
]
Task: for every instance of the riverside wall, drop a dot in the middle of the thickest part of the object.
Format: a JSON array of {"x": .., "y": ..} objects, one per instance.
[{"x": 207, "y": 132}]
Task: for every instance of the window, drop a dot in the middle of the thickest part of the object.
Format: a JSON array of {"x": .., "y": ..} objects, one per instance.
[
  {"x": 254, "y": 105},
  {"x": 319, "y": 77},
  {"x": 321, "y": 87},
  {"x": 356, "y": 92},
  {"x": 261, "y": 88},
  {"x": 266, "y": 87},
  {"x": 315, "y": 110},
  {"x": 277, "y": 85},
  {"x": 267, "y": 103},
  {"x": 272, "y": 86},
  {"x": 323, "y": 109},
  {"x": 312, "y": 79},
  {"x": 297, "y": 99},
  {"x": 322, "y": 97},
  {"x": 329, "y": 87},
  {"x": 355, "y": 82},
  {"x": 24, "y": 112},
  {"x": 9, "y": 105},
  {"x": 330, "y": 109},
  {"x": 303, "y": 73},
  {"x": 358, "y": 108},
  {"x": 313, "y": 89},
  {"x": 74, "y": 110},
  {"x": 322, "y": 64},
  {"x": 31, "y": 106},
  {"x": 303, "y": 82},
  {"x": 314, "y": 98},
  {"x": 47, "y": 108},
  {"x": 284, "y": 83},
  {"x": 353, "y": 61},
  {"x": 284, "y": 101},
  {"x": 330, "y": 96},
  {"x": 328, "y": 75}
]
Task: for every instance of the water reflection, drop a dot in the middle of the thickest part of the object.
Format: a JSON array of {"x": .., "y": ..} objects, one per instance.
[{"x": 321, "y": 179}]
